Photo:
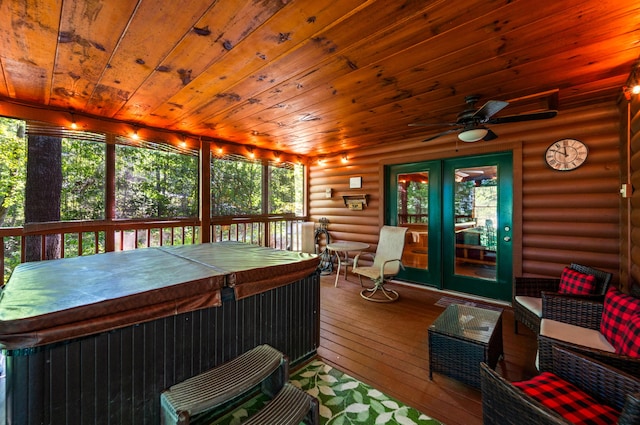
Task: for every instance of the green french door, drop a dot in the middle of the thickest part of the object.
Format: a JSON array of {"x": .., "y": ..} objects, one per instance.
[{"x": 459, "y": 218}]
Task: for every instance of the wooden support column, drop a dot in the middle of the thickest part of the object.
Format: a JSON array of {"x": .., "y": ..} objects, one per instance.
[
  {"x": 265, "y": 202},
  {"x": 205, "y": 192},
  {"x": 110, "y": 192}
]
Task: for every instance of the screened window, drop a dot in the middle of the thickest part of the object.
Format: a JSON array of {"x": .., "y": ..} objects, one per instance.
[
  {"x": 83, "y": 180},
  {"x": 236, "y": 186},
  {"x": 286, "y": 189},
  {"x": 13, "y": 166},
  {"x": 152, "y": 183}
]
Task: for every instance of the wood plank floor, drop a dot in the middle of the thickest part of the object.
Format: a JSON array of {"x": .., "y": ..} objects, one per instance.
[{"x": 385, "y": 346}]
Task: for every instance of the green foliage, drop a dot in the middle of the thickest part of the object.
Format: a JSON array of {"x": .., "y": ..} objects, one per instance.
[
  {"x": 236, "y": 187},
  {"x": 286, "y": 189},
  {"x": 153, "y": 184},
  {"x": 83, "y": 171},
  {"x": 417, "y": 199},
  {"x": 13, "y": 168},
  {"x": 464, "y": 198}
]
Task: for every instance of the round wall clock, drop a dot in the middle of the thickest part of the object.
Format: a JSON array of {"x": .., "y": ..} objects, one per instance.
[{"x": 566, "y": 154}]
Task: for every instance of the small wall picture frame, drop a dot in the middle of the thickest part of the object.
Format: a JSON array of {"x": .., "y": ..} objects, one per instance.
[{"x": 355, "y": 183}]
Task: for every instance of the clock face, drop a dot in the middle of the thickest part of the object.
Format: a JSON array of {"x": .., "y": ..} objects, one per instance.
[{"x": 566, "y": 154}]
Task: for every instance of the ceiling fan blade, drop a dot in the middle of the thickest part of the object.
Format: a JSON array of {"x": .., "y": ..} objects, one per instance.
[
  {"x": 436, "y": 124},
  {"x": 453, "y": 130},
  {"x": 489, "y": 109},
  {"x": 490, "y": 136},
  {"x": 524, "y": 117}
]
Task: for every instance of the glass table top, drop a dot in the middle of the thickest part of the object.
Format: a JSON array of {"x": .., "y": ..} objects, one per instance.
[{"x": 471, "y": 323}]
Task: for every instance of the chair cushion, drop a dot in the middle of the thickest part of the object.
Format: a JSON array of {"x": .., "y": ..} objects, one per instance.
[
  {"x": 533, "y": 304},
  {"x": 574, "y": 282},
  {"x": 577, "y": 335},
  {"x": 567, "y": 400},
  {"x": 618, "y": 310},
  {"x": 631, "y": 338}
]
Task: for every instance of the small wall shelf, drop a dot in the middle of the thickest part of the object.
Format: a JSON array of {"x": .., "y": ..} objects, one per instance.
[{"x": 356, "y": 202}]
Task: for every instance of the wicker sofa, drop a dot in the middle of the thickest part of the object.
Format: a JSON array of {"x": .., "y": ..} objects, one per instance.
[
  {"x": 585, "y": 317},
  {"x": 503, "y": 403},
  {"x": 527, "y": 294}
]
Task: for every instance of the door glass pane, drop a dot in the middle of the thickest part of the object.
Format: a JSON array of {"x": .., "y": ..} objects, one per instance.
[
  {"x": 413, "y": 213},
  {"x": 476, "y": 202}
]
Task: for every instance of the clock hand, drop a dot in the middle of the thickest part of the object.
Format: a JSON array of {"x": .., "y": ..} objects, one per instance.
[{"x": 560, "y": 152}]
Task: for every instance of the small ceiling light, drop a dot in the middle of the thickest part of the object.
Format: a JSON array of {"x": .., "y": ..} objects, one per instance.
[
  {"x": 345, "y": 158},
  {"x": 632, "y": 86},
  {"x": 473, "y": 135}
]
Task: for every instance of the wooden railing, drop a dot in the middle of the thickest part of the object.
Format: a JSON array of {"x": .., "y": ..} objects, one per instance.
[
  {"x": 78, "y": 238},
  {"x": 413, "y": 218}
]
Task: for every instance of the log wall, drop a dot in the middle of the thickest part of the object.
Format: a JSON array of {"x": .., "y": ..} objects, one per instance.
[
  {"x": 559, "y": 217},
  {"x": 630, "y": 211}
]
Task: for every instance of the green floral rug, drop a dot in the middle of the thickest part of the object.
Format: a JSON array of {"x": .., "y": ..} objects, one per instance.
[{"x": 343, "y": 400}]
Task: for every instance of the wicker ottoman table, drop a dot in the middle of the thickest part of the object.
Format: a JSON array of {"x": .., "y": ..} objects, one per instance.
[{"x": 462, "y": 337}]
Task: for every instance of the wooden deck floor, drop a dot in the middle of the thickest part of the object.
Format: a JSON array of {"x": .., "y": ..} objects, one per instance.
[{"x": 385, "y": 346}]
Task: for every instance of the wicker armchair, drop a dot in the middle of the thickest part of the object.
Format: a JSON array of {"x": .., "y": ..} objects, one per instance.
[
  {"x": 503, "y": 403},
  {"x": 527, "y": 295},
  {"x": 584, "y": 313}
]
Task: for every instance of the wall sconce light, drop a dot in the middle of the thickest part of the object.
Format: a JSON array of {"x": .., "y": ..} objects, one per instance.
[
  {"x": 183, "y": 141},
  {"x": 252, "y": 154},
  {"x": 73, "y": 124},
  {"x": 135, "y": 135},
  {"x": 321, "y": 161},
  {"x": 345, "y": 158},
  {"x": 632, "y": 86},
  {"x": 276, "y": 156}
]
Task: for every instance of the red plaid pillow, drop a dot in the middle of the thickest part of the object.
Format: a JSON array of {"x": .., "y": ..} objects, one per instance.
[
  {"x": 618, "y": 310},
  {"x": 631, "y": 338},
  {"x": 569, "y": 401},
  {"x": 573, "y": 282}
]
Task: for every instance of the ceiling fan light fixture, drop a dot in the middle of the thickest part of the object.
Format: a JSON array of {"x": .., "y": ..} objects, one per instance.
[{"x": 473, "y": 135}]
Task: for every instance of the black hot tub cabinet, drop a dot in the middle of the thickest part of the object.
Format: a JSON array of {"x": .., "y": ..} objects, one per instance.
[{"x": 94, "y": 340}]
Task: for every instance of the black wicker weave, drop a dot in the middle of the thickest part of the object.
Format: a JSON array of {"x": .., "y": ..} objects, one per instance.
[
  {"x": 462, "y": 337},
  {"x": 585, "y": 313},
  {"x": 533, "y": 287},
  {"x": 502, "y": 403}
]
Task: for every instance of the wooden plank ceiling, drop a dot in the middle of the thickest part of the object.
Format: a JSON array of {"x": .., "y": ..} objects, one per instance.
[{"x": 310, "y": 77}]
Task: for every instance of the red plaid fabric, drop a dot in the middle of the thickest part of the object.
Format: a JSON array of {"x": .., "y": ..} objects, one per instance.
[
  {"x": 617, "y": 312},
  {"x": 631, "y": 338},
  {"x": 569, "y": 401},
  {"x": 573, "y": 282}
]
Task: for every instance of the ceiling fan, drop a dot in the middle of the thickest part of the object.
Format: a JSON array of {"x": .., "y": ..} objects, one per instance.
[{"x": 470, "y": 123}]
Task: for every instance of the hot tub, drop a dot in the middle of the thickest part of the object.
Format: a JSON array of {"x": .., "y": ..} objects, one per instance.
[{"x": 92, "y": 340}]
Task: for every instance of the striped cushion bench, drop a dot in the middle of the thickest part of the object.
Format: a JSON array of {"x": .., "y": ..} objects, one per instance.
[
  {"x": 290, "y": 407},
  {"x": 262, "y": 365}
]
